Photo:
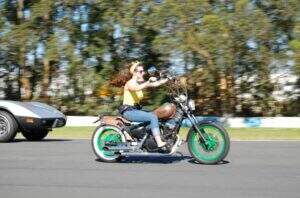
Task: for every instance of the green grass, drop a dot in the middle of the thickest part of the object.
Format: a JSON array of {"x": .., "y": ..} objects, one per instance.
[
  {"x": 264, "y": 133},
  {"x": 235, "y": 133},
  {"x": 73, "y": 132}
]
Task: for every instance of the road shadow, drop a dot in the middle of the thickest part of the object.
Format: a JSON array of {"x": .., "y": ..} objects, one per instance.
[
  {"x": 223, "y": 162},
  {"x": 163, "y": 159},
  {"x": 45, "y": 140},
  {"x": 153, "y": 159}
]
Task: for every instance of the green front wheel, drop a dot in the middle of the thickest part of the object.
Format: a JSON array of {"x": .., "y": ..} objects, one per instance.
[{"x": 215, "y": 147}]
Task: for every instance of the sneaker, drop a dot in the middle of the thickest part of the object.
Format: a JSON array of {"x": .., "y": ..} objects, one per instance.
[
  {"x": 163, "y": 145},
  {"x": 175, "y": 146}
]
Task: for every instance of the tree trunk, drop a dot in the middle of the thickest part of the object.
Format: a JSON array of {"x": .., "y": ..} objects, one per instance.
[
  {"x": 20, "y": 13},
  {"x": 46, "y": 65},
  {"x": 46, "y": 79},
  {"x": 10, "y": 92},
  {"x": 24, "y": 74},
  {"x": 231, "y": 92}
]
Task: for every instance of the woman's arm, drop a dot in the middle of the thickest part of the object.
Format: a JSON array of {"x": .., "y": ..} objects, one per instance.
[
  {"x": 134, "y": 86},
  {"x": 158, "y": 83}
]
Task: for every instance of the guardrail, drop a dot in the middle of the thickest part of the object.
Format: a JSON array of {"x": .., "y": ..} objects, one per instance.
[{"x": 236, "y": 122}]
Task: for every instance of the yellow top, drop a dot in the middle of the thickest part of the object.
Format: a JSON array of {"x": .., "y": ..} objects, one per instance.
[{"x": 132, "y": 97}]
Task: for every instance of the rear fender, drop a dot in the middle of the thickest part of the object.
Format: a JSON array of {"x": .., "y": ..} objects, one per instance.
[{"x": 115, "y": 128}]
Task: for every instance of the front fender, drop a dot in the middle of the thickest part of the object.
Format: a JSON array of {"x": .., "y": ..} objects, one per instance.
[
  {"x": 16, "y": 109},
  {"x": 192, "y": 128},
  {"x": 31, "y": 109}
]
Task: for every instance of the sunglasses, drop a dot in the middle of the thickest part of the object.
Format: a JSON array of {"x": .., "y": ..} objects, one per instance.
[{"x": 140, "y": 71}]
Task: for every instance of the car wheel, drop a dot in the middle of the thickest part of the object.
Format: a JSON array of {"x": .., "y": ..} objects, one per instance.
[
  {"x": 35, "y": 135},
  {"x": 8, "y": 127}
]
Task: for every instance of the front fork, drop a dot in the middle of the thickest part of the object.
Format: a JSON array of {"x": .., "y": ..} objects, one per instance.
[{"x": 194, "y": 122}]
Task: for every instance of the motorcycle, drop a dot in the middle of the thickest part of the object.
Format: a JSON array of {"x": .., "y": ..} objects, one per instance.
[{"x": 208, "y": 142}]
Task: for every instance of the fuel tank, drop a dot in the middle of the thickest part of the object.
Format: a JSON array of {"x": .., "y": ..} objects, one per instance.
[{"x": 166, "y": 111}]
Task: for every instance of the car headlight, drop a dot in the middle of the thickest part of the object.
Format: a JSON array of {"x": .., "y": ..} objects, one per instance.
[{"x": 192, "y": 105}]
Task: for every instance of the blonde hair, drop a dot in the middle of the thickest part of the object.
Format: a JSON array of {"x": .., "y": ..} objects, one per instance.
[{"x": 133, "y": 66}]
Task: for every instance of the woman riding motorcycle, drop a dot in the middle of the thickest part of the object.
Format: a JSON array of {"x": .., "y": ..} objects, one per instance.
[{"x": 133, "y": 94}]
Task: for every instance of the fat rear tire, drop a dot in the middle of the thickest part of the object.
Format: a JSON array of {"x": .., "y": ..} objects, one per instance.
[
  {"x": 8, "y": 127},
  {"x": 35, "y": 135},
  {"x": 98, "y": 151}
]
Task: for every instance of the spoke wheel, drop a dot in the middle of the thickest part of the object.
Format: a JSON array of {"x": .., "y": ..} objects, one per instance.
[
  {"x": 106, "y": 135},
  {"x": 4, "y": 125},
  {"x": 214, "y": 149},
  {"x": 8, "y": 127}
]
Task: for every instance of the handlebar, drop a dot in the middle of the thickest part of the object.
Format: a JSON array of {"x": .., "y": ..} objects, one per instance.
[{"x": 175, "y": 88}]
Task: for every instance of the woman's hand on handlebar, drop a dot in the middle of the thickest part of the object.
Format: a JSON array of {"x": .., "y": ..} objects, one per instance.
[
  {"x": 157, "y": 82},
  {"x": 152, "y": 79}
]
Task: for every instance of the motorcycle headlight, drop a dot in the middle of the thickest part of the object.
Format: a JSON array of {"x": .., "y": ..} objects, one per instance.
[
  {"x": 182, "y": 98},
  {"x": 192, "y": 105}
]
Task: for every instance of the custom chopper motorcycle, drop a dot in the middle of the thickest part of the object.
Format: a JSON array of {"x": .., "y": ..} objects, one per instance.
[{"x": 208, "y": 142}]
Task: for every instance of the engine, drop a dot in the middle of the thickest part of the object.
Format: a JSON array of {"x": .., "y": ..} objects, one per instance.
[
  {"x": 172, "y": 124},
  {"x": 139, "y": 132},
  {"x": 150, "y": 144}
]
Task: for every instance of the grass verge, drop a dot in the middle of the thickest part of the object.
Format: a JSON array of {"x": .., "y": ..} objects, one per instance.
[{"x": 234, "y": 133}]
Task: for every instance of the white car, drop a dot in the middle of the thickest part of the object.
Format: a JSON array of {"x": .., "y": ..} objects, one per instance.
[{"x": 33, "y": 119}]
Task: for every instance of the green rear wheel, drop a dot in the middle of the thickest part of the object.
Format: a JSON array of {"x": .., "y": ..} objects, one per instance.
[
  {"x": 102, "y": 136},
  {"x": 216, "y": 147}
]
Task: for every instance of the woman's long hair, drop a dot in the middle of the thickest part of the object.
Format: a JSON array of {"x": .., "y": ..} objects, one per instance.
[{"x": 122, "y": 77}]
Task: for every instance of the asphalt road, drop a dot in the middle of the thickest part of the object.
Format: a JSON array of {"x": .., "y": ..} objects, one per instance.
[{"x": 67, "y": 168}]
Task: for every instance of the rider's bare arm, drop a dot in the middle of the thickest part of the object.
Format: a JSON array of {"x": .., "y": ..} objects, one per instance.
[
  {"x": 158, "y": 83},
  {"x": 132, "y": 85}
]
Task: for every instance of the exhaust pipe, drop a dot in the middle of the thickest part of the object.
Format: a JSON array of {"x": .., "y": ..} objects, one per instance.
[{"x": 119, "y": 148}]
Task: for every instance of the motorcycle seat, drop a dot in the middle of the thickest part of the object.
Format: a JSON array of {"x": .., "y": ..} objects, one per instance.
[
  {"x": 128, "y": 122},
  {"x": 124, "y": 120}
]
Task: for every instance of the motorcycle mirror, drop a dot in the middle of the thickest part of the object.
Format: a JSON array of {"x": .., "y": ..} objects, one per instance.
[{"x": 152, "y": 71}]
